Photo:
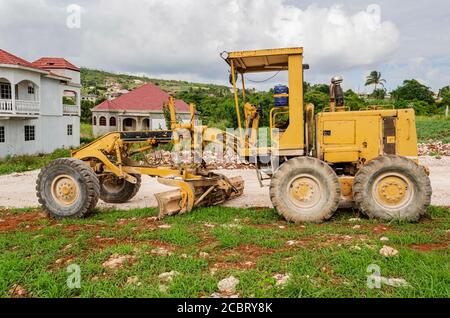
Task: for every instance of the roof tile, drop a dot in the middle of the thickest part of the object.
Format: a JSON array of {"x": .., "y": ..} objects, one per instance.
[{"x": 148, "y": 97}]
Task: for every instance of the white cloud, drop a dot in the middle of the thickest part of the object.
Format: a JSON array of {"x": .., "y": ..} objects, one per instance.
[{"x": 185, "y": 37}]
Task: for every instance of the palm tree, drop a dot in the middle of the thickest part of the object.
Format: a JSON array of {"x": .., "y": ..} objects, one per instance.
[{"x": 375, "y": 79}]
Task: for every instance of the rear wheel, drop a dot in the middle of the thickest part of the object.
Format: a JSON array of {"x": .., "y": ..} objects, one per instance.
[
  {"x": 305, "y": 190},
  {"x": 115, "y": 190},
  {"x": 67, "y": 188},
  {"x": 392, "y": 187}
]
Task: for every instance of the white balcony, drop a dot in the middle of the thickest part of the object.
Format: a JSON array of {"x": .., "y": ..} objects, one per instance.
[
  {"x": 70, "y": 109},
  {"x": 19, "y": 107}
]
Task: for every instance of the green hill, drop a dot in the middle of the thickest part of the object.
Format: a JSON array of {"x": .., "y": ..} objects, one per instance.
[{"x": 98, "y": 82}]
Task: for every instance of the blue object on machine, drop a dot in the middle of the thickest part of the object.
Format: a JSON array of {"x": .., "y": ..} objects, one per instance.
[{"x": 281, "y": 101}]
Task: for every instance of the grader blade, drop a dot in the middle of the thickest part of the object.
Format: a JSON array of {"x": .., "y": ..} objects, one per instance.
[{"x": 197, "y": 193}]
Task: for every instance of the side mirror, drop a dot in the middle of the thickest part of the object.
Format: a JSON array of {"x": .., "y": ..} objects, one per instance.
[{"x": 306, "y": 66}]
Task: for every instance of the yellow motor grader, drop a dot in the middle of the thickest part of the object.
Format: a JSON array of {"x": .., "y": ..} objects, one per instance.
[{"x": 367, "y": 159}]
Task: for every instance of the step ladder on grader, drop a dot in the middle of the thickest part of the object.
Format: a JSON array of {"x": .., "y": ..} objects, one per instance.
[{"x": 316, "y": 161}]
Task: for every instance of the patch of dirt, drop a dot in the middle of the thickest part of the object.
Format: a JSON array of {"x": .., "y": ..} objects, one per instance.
[
  {"x": 12, "y": 222},
  {"x": 380, "y": 229},
  {"x": 340, "y": 239},
  {"x": 18, "y": 291},
  {"x": 250, "y": 253},
  {"x": 430, "y": 247},
  {"x": 117, "y": 261}
]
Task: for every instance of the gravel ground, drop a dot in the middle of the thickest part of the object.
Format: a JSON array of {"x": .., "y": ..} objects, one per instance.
[{"x": 18, "y": 190}]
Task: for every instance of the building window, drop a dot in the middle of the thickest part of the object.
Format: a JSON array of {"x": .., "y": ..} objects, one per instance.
[
  {"x": 31, "y": 89},
  {"x": 95, "y": 121},
  {"x": 2, "y": 134},
  {"x": 5, "y": 91},
  {"x": 102, "y": 121},
  {"x": 128, "y": 122},
  {"x": 69, "y": 130},
  {"x": 112, "y": 122},
  {"x": 29, "y": 133}
]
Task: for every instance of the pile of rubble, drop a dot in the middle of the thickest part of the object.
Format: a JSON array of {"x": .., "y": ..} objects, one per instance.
[
  {"x": 213, "y": 160},
  {"x": 435, "y": 148}
]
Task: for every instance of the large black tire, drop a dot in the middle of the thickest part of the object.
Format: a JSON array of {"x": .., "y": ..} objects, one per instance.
[
  {"x": 305, "y": 189},
  {"x": 115, "y": 190},
  {"x": 392, "y": 188},
  {"x": 67, "y": 188}
]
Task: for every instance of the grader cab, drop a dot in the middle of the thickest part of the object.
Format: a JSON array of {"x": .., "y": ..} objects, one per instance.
[{"x": 316, "y": 162}]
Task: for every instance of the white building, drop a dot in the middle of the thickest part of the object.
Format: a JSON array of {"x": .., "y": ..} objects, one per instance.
[
  {"x": 140, "y": 109},
  {"x": 39, "y": 105}
]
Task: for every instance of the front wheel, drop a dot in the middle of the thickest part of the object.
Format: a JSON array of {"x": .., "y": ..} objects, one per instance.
[
  {"x": 305, "y": 190},
  {"x": 67, "y": 188},
  {"x": 392, "y": 187}
]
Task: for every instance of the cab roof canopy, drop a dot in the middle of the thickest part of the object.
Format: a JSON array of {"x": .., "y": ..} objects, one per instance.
[{"x": 262, "y": 60}]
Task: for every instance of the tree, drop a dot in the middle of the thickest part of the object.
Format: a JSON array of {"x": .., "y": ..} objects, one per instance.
[
  {"x": 444, "y": 94},
  {"x": 353, "y": 101},
  {"x": 412, "y": 90},
  {"x": 379, "y": 93},
  {"x": 86, "y": 114},
  {"x": 375, "y": 79}
]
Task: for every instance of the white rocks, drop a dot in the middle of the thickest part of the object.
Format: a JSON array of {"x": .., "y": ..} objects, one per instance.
[
  {"x": 434, "y": 148},
  {"x": 357, "y": 227},
  {"x": 228, "y": 285},
  {"x": 354, "y": 220},
  {"x": 116, "y": 261},
  {"x": 165, "y": 279},
  {"x": 133, "y": 280},
  {"x": 388, "y": 251},
  {"x": 168, "y": 277},
  {"x": 204, "y": 255},
  {"x": 281, "y": 279},
  {"x": 161, "y": 251},
  {"x": 384, "y": 239},
  {"x": 165, "y": 226},
  {"x": 291, "y": 243},
  {"x": 395, "y": 282}
]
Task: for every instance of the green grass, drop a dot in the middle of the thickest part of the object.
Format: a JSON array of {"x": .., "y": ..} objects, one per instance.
[
  {"x": 433, "y": 128},
  {"x": 323, "y": 263},
  {"x": 24, "y": 163},
  {"x": 12, "y": 164},
  {"x": 86, "y": 131}
]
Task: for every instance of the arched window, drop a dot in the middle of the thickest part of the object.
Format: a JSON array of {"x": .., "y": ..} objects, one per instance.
[
  {"x": 128, "y": 122},
  {"x": 102, "y": 121},
  {"x": 112, "y": 122},
  {"x": 95, "y": 120}
]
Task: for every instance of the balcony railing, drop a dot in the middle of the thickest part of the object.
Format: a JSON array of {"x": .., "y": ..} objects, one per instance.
[
  {"x": 27, "y": 106},
  {"x": 20, "y": 107},
  {"x": 70, "y": 109},
  {"x": 6, "y": 106}
]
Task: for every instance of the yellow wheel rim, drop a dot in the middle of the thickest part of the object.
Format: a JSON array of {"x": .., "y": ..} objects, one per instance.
[
  {"x": 65, "y": 190},
  {"x": 305, "y": 191},
  {"x": 393, "y": 190}
]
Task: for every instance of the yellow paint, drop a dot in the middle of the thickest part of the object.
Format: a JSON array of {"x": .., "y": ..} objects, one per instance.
[{"x": 358, "y": 135}]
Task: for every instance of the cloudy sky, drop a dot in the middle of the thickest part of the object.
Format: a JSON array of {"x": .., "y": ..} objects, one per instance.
[{"x": 182, "y": 39}]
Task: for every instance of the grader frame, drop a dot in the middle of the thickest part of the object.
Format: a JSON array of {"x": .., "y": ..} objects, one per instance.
[{"x": 366, "y": 159}]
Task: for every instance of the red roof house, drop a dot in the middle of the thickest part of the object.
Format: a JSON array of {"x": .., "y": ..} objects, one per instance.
[
  {"x": 55, "y": 63},
  {"x": 140, "y": 109},
  {"x": 147, "y": 98}
]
